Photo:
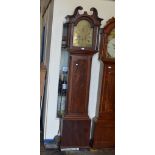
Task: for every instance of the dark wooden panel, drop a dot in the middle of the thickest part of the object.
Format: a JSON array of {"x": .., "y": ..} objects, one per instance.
[
  {"x": 104, "y": 128},
  {"x": 104, "y": 136},
  {"x": 107, "y": 99},
  {"x": 75, "y": 133},
  {"x": 79, "y": 80}
]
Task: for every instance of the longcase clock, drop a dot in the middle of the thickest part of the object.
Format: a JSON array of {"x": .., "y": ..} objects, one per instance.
[
  {"x": 104, "y": 124},
  {"x": 83, "y": 33}
]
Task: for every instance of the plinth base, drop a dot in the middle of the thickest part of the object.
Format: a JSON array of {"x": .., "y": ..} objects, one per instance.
[
  {"x": 75, "y": 132},
  {"x": 104, "y": 134}
]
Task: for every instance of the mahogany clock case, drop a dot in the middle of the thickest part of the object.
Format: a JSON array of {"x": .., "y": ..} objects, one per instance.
[
  {"x": 75, "y": 131},
  {"x": 76, "y": 123},
  {"x": 104, "y": 124}
]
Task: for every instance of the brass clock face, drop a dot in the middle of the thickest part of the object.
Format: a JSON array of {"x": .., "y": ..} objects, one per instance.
[
  {"x": 83, "y": 34},
  {"x": 111, "y": 45}
]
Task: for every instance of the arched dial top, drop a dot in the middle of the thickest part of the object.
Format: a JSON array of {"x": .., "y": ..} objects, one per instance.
[
  {"x": 83, "y": 31},
  {"x": 107, "y": 48}
]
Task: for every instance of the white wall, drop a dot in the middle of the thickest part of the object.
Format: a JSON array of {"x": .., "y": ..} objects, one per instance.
[
  {"x": 47, "y": 22},
  {"x": 61, "y": 9}
]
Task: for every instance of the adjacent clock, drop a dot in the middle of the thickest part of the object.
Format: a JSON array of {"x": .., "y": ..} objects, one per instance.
[
  {"x": 107, "y": 48},
  {"x": 83, "y": 34},
  {"x": 104, "y": 123}
]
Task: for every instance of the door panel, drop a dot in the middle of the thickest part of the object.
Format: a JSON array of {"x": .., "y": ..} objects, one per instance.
[{"x": 79, "y": 80}]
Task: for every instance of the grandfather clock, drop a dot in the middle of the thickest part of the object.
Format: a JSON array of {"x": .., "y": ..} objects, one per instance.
[
  {"x": 104, "y": 124},
  {"x": 83, "y": 33}
]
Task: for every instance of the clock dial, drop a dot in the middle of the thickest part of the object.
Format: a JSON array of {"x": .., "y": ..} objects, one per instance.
[
  {"x": 111, "y": 45},
  {"x": 83, "y": 34}
]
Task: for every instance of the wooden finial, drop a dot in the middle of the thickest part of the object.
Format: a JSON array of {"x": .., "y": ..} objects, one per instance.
[{"x": 77, "y": 10}]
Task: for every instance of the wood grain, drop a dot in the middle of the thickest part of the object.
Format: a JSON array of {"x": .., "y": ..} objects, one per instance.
[{"x": 104, "y": 124}]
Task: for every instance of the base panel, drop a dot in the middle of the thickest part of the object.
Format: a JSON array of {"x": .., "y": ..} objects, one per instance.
[
  {"x": 104, "y": 134},
  {"x": 75, "y": 133}
]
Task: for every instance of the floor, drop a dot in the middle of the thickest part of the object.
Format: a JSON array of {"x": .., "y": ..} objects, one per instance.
[
  {"x": 44, "y": 151},
  {"x": 99, "y": 152}
]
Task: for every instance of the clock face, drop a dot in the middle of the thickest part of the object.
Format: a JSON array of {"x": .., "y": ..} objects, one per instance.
[
  {"x": 83, "y": 34},
  {"x": 111, "y": 45}
]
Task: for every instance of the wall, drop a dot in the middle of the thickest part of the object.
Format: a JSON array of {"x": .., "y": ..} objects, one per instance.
[
  {"x": 61, "y": 9},
  {"x": 46, "y": 21}
]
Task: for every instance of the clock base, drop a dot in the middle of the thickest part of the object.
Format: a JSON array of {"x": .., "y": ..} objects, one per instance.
[
  {"x": 75, "y": 132},
  {"x": 104, "y": 134}
]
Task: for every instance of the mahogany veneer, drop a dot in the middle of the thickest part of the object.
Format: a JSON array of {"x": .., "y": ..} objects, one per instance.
[
  {"x": 104, "y": 124},
  {"x": 76, "y": 123}
]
